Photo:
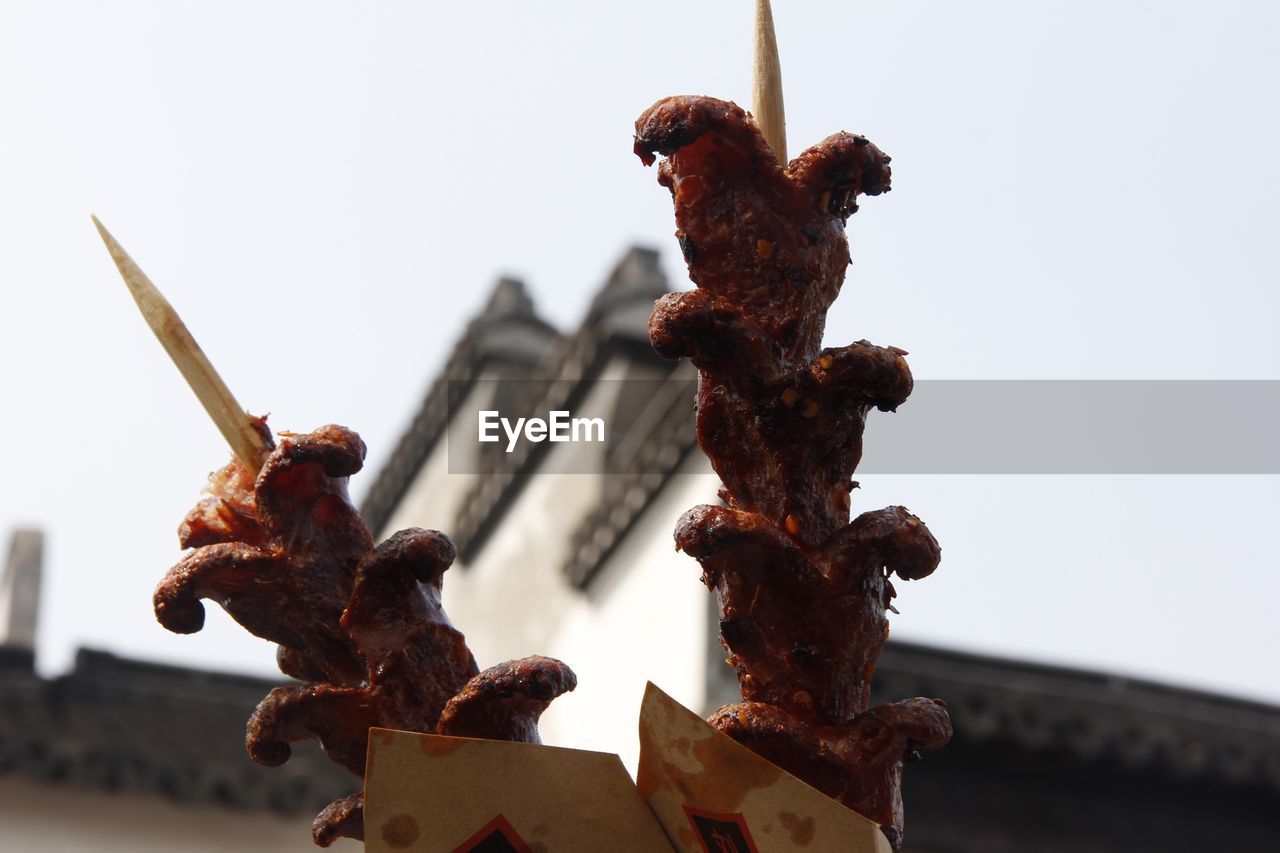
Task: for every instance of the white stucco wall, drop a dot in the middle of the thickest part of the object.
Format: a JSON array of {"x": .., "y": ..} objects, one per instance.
[{"x": 643, "y": 617}]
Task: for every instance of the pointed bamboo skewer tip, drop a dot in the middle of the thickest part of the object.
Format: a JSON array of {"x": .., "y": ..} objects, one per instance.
[
  {"x": 766, "y": 84},
  {"x": 235, "y": 425}
]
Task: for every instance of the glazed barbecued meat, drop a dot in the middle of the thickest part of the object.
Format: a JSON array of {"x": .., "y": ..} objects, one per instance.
[
  {"x": 802, "y": 591},
  {"x": 289, "y": 558},
  {"x": 243, "y": 533}
]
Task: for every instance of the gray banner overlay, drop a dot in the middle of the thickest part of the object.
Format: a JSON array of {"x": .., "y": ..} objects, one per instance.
[
  {"x": 947, "y": 427},
  {"x": 1079, "y": 427}
]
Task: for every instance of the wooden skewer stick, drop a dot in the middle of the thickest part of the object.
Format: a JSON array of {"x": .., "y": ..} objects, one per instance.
[
  {"x": 766, "y": 84},
  {"x": 232, "y": 421}
]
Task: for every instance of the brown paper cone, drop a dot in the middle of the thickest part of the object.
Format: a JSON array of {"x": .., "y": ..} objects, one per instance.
[
  {"x": 713, "y": 795},
  {"x": 430, "y": 793}
]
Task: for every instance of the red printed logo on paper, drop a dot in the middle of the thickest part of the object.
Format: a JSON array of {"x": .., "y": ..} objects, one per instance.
[
  {"x": 496, "y": 836},
  {"x": 721, "y": 833}
]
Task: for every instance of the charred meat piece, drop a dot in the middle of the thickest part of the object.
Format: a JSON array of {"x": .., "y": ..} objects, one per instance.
[
  {"x": 505, "y": 701},
  {"x": 290, "y": 559},
  {"x": 802, "y": 591},
  {"x": 279, "y": 554}
]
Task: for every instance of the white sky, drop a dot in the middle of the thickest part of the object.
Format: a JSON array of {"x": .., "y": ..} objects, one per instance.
[{"x": 327, "y": 191}]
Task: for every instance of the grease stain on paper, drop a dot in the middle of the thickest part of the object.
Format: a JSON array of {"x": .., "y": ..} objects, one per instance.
[
  {"x": 721, "y": 762},
  {"x": 801, "y": 829},
  {"x": 400, "y": 831}
]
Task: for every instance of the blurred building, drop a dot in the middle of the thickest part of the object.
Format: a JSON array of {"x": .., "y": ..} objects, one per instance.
[
  {"x": 581, "y": 566},
  {"x": 122, "y": 755}
]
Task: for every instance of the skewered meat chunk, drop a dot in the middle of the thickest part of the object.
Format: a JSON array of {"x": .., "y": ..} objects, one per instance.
[
  {"x": 505, "y": 701},
  {"x": 278, "y": 555},
  {"x": 802, "y": 591},
  {"x": 290, "y": 559}
]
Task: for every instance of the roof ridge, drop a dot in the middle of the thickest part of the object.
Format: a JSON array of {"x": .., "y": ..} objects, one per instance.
[{"x": 487, "y": 336}]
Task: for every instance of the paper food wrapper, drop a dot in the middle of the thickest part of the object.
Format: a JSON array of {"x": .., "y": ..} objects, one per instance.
[
  {"x": 427, "y": 793},
  {"x": 697, "y": 791},
  {"x": 713, "y": 795}
]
